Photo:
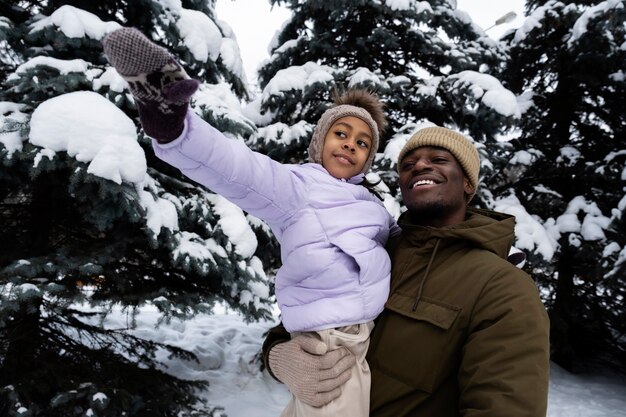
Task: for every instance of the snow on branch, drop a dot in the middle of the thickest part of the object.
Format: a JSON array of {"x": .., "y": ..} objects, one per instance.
[{"x": 75, "y": 23}]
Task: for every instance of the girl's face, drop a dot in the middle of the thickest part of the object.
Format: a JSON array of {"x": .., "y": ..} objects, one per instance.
[{"x": 347, "y": 146}]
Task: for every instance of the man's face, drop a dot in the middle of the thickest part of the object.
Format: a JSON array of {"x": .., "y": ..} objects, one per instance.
[{"x": 434, "y": 188}]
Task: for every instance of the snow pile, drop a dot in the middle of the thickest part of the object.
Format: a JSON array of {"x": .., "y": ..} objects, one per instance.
[
  {"x": 285, "y": 134},
  {"x": 531, "y": 23},
  {"x": 363, "y": 76},
  {"x": 403, "y": 5},
  {"x": 91, "y": 129},
  {"x": 234, "y": 225},
  {"x": 580, "y": 27},
  {"x": 159, "y": 212},
  {"x": 75, "y": 23},
  {"x": 592, "y": 226},
  {"x": 490, "y": 91},
  {"x": 226, "y": 347},
  {"x": 297, "y": 78},
  {"x": 230, "y": 51},
  {"x": 531, "y": 235},
  {"x": 222, "y": 103},
  {"x": 191, "y": 245},
  {"x": 397, "y": 142},
  {"x": 11, "y": 113},
  {"x": 205, "y": 38},
  {"x": 63, "y": 66},
  {"x": 200, "y": 34}
]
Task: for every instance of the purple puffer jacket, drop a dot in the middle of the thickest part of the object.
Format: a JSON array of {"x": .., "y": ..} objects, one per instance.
[{"x": 332, "y": 233}]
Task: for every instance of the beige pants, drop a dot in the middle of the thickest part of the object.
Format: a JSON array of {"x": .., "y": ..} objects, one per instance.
[{"x": 354, "y": 400}]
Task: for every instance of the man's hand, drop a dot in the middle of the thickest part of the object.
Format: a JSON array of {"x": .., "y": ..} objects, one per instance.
[{"x": 313, "y": 375}]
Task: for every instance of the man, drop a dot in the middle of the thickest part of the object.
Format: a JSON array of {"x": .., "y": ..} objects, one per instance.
[{"x": 463, "y": 332}]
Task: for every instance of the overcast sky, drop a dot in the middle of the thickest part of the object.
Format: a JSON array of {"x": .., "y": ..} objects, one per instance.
[{"x": 255, "y": 23}]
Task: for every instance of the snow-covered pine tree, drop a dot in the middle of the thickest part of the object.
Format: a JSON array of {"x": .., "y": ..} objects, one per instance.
[
  {"x": 91, "y": 221},
  {"x": 426, "y": 59},
  {"x": 569, "y": 60}
]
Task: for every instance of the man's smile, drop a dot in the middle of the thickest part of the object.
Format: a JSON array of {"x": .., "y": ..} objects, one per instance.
[{"x": 423, "y": 182}]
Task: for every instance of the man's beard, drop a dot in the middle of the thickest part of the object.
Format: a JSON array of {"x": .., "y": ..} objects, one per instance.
[{"x": 430, "y": 210}]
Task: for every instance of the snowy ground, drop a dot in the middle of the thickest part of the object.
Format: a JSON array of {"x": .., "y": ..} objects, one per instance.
[{"x": 226, "y": 347}]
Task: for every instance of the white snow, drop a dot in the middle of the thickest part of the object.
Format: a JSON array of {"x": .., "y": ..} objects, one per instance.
[
  {"x": 11, "y": 112},
  {"x": 580, "y": 27},
  {"x": 610, "y": 249},
  {"x": 99, "y": 396},
  {"x": 190, "y": 245},
  {"x": 491, "y": 92},
  {"x": 231, "y": 57},
  {"x": 220, "y": 99},
  {"x": 619, "y": 76},
  {"x": 525, "y": 101},
  {"x": 91, "y": 129},
  {"x": 63, "y": 66},
  {"x": 23, "y": 288},
  {"x": 159, "y": 212},
  {"x": 5, "y": 22},
  {"x": 287, "y": 45},
  {"x": 200, "y": 34},
  {"x": 295, "y": 78},
  {"x": 403, "y": 5},
  {"x": 531, "y": 22},
  {"x": 365, "y": 76},
  {"x": 234, "y": 225},
  {"x": 399, "y": 4},
  {"x": 285, "y": 134},
  {"x": 226, "y": 346},
  {"x": 524, "y": 157},
  {"x": 253, "y": 112},
  {"x": 110, "y": 77},
  {"x": 530, "y": 234},
  {"x": 430, "y": 86},
  {"x": 569, "y": 155},
  {"x": 399, "y": 79},
  {"x": 397, "y": 141},
  {"x": 319, "y": 76},
  {"x": 76, "y": 23},
  {"x": 10, "y": 107},
  {"x": 594, "y": 222},
  {"x": 43, "y": 153}
]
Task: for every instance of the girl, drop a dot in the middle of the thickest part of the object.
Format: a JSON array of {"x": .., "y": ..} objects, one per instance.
[{"x": 335, "y": 275}]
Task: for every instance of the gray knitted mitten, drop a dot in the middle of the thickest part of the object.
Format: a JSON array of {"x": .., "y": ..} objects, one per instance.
[
  {"x": 313, "y": 375},
  {"x": 161, "y": 87}
]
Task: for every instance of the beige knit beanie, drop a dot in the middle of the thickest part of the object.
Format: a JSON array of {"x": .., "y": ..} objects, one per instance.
[{"x": 458, "y": 145}]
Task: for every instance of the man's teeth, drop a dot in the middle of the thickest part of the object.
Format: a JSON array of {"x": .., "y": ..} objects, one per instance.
[{"x": 423, "y": 182}]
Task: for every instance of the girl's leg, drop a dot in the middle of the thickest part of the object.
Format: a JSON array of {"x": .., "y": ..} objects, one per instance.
[{"x": 355, "y": 394}]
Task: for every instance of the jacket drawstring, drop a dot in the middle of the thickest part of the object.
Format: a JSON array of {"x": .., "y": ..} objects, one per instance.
[{"x": 419, "y": 292}]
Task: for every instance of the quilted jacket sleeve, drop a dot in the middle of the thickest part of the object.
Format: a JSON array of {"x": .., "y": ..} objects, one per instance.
[{"x": 254, "y": 182}]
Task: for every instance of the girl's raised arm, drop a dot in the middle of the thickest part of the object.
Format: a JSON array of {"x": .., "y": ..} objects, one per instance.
[{"x": 162, "y": 91}]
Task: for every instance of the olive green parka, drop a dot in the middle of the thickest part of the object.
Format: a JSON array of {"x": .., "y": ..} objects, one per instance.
[{"x": 464, "y": 332}]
